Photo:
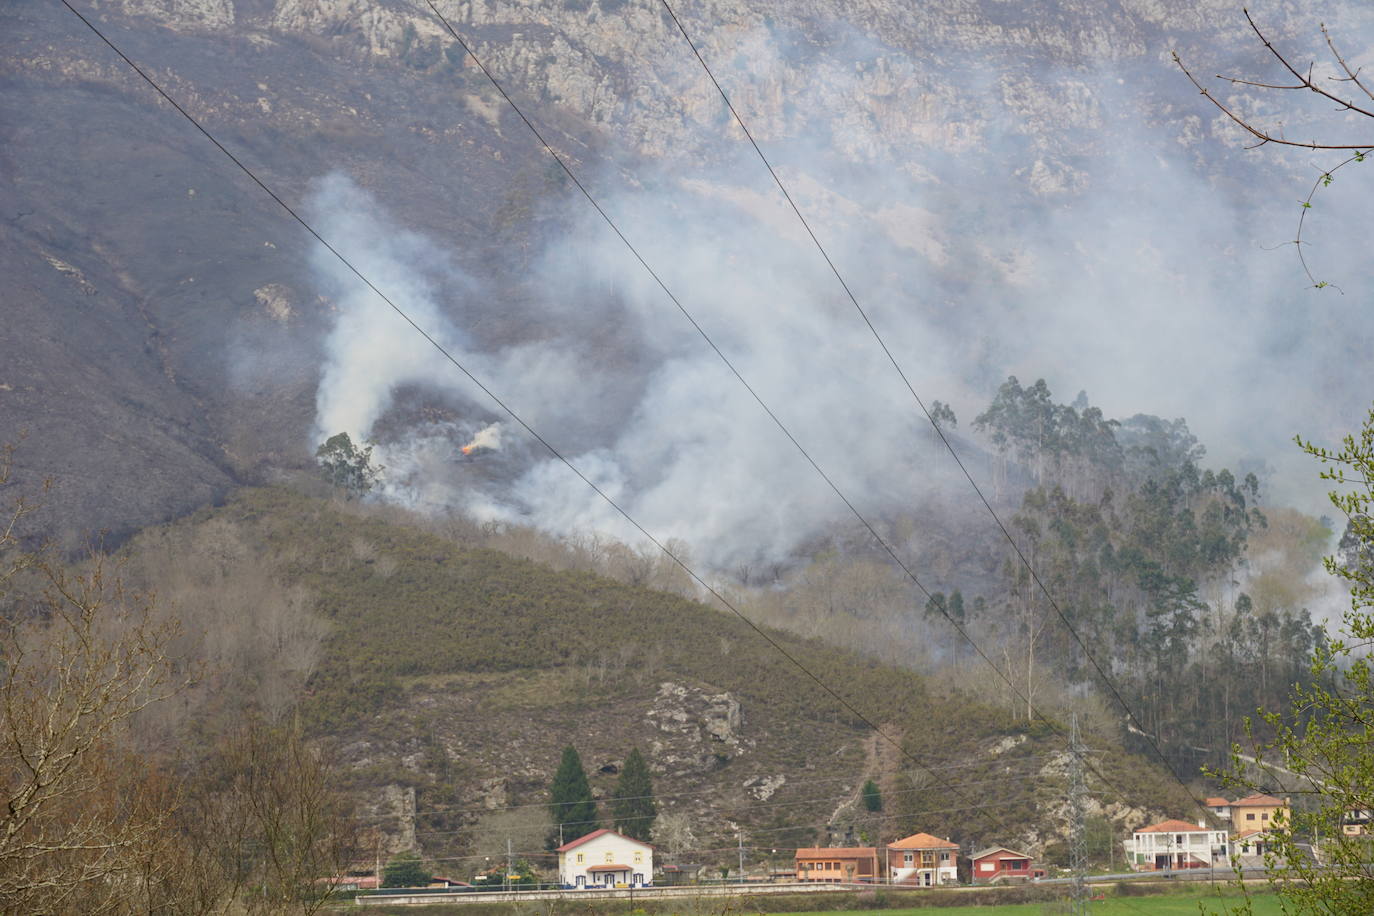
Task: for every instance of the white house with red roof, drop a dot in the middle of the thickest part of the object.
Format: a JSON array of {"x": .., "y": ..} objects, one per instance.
[
  {"x": 1178, "y": 844},
  {"x": 604, "y": 858}
]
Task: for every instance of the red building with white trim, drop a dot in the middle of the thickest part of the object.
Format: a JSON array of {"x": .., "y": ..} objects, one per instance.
[{"x": 1000, "y": 864}]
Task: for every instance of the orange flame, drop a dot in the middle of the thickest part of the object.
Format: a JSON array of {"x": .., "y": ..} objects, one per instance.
[{"x": 467, "y": 449}]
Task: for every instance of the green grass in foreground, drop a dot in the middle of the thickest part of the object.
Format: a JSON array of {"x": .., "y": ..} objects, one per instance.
[{"x": 1264, "y": 904}]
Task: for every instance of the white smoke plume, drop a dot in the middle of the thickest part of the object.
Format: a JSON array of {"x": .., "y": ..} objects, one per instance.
[
  {"x": 1134, "y": 273},
  {"x": 488, "y": 437}
]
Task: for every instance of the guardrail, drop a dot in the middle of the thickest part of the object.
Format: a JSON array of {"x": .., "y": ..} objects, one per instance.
[
  {"x": 445, "y": 895},
  {"x": 419, "y": 895}
]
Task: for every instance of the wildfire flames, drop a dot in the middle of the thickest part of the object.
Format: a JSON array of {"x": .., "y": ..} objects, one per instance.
[{"x": 490, "y": 437}]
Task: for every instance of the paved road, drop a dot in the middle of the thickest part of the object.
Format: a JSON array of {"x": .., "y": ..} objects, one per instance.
[{"x": 729, "y": 890}]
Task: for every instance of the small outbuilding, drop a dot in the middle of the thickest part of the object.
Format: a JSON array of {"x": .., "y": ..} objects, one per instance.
[{"x": 998, "y": 864}]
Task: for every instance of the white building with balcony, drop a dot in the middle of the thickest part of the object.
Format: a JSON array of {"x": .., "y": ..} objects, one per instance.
[{"x": 1175, "y": 844}]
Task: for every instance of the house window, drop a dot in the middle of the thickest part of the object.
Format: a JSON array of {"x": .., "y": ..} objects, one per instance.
[
  {"x": 579, "y": 858},
  {"x": 944, "y": 857},
  {"x": 610, "y": 857},
  {"x": 1178, "y": 840},
  {"x": 639, "y": 858},
  {"x": 1250, "y": 816},
  {"x": 1264, "y": 816},
  {"x": 908, "y": 858}
]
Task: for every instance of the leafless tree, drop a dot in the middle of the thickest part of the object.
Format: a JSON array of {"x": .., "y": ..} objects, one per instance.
[
  {"x": 675, "y": 831},
  {"x": 80, "y": 663},
  {"x": 269, "y": 810},
  {"x": 92, "y": 820}
]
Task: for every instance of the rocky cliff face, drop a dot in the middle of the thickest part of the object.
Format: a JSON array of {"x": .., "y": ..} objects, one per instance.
[{"x": 880, "y": 80}]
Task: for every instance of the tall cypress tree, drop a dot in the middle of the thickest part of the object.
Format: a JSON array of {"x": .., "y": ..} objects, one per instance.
[
  {"x": 872, "y": 795},
  {"x": 570, "y": 800},
  {"x": 632, "y": 805}
]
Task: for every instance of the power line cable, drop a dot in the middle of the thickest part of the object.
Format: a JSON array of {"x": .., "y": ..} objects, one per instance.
[
  {"x": 736, "y": 812},
  {"x": 920, "y": 403},
  {"x": 748, "y": 387},
  {"x": 1010, "y": 763},
  {"x": 839, "y": 698},
  {"x": 770, "y": 830}
]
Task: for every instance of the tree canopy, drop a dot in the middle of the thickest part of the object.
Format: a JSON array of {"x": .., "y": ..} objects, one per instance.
[
  {"x": 632, "y": 806},
  {"x": 346, "y": 466},
  {"x": 570, "y": 800},
  {"x": 1324, "y": 739},
  {"x": 406, "y": 870}
]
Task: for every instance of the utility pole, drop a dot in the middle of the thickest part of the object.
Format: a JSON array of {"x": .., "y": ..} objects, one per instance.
[
  {"x": 741, "y": 857},
  {"x": 1078, "y": 802},
  {"x": 509, "y": 863}
]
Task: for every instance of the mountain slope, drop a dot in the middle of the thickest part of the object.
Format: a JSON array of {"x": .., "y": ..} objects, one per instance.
[
  {"x": 201, "y": 291},
  {"x": 461, "y": 673}
]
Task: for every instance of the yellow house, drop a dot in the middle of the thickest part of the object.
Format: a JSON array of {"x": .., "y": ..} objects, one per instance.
[{"x": 1257, "y": 812}]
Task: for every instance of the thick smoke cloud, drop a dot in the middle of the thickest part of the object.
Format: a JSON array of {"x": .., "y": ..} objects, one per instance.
[{"x": 1139, "y": 270}]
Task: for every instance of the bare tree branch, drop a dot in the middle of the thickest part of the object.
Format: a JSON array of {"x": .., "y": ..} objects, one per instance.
[
  {"x": 1265, "y": 136},
  {"x": 1352, "y": 76}
]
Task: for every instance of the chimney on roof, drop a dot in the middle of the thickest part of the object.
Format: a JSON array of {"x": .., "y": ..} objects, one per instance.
[{"x": 1201, "y": 822}]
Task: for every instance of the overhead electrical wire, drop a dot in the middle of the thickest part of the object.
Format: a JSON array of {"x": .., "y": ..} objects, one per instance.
[
  {"x": 887, "y": 548},
  {"x": 851, "y": 797},
  {"x": 447, "y": 355},
  {"x": 949, "y": 446},
  {"x": 769, "y": 830},
  {"x": 882, "y": 542},
  {"x": 821, "y": 825},
  {"x": 1011, "y": 762},
  {"x": 548, "y": 446}
]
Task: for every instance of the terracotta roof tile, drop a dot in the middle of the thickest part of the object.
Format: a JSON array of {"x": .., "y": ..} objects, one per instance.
[
  {"x": 1174, "y": 826},
  {"x": 991, "y": 849},
  {"x": 596, "y": 833},
  {"x": 1258, "y": 801},
  {"x": 922, "y": 841},
  {"x": 836, "y": 852}
]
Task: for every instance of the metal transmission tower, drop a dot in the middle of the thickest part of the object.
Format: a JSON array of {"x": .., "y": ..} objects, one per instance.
[{"x": 1078, "y": 803}]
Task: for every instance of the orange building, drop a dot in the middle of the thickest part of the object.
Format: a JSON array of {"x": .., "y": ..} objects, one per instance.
[{"x": 838, "y": 864}]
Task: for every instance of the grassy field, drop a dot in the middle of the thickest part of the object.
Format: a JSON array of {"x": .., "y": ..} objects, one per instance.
[{"x": 1185, "y": 904}]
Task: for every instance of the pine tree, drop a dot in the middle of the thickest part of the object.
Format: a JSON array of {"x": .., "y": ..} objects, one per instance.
[
  {"x": 633, "y": 803},
  {"x": 406, "y": 870},
  {"x": 570, "y": 800},
  {"x": 873, "y": 797}
]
